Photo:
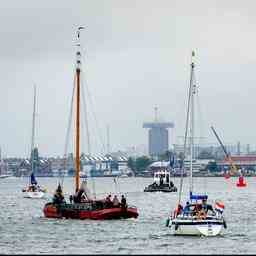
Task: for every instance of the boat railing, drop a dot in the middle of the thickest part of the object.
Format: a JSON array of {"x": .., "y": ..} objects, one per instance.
[
  {"x": 192, "y": 216},
  {"x": 131, "y": 206}
]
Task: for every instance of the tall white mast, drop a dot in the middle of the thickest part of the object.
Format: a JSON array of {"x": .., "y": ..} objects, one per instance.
[
  {"x": 33, "y": 131},
  {"x": 192, "y": 91}
]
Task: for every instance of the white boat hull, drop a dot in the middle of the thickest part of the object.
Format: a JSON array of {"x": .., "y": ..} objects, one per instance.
[
  {"x": 37, "y": 194},
  {"x": 4, "y": 176},
  {"x": 197, "y": 227}
]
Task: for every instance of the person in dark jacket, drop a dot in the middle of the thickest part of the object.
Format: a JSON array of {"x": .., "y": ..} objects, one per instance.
[
  {"x": 58, "y": 197},
  {"x": 123, "y": 202},
  {"x": 207, "y": 207}
]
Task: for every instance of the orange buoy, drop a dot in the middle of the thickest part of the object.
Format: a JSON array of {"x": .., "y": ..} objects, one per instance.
[{"x": 241, "y": 182}]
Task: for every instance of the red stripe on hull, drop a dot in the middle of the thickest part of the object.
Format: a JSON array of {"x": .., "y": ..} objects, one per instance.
[{"x": 51, "y": 211}]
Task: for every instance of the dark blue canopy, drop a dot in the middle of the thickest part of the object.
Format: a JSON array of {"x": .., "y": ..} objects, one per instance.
[
  {"x": 33, "y": 179},
  {"x": 198, "y": 197}
]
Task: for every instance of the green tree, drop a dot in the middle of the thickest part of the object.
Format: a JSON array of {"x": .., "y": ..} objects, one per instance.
[
  {"x": 142, "y": 163},
  {"x": 131, "y": 163}
]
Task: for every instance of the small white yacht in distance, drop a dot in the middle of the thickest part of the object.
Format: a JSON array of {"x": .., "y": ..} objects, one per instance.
[
  {"x": 33, "y": 190},
  {"x": 3, "y": 176}
]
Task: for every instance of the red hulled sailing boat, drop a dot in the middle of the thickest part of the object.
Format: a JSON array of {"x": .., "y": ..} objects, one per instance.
[{"x": 81, "y": 205}]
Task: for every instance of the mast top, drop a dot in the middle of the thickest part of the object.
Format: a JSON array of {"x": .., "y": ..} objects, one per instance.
[
  {"x": 193, "y": 59},
  {"x": 156, "y": 119},
  {"x": 78, "y": 52}
]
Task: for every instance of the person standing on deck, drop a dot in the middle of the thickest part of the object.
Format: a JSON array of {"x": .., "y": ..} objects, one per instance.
[{"x": 123, "y": 202}]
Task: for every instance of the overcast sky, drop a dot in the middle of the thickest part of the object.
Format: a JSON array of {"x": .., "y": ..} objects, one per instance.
[{"x": 136, "y": 56}]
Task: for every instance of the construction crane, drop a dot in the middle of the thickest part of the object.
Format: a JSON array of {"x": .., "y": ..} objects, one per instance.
[{"x": 233, "y": 167}]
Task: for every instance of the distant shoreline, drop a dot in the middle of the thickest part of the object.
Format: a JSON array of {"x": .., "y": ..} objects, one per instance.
[{"x": 141, "y": 176}]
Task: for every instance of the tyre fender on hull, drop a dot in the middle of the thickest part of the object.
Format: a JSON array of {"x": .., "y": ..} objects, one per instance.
[
  {"x": 224, "y": 224},
  {"x": 167, "y": 222}
]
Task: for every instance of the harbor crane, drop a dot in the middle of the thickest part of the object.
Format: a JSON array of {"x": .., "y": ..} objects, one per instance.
[{"x": 233, "y": 167}]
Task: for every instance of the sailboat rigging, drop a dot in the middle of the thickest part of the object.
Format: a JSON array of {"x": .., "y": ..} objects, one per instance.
[
  {"x": 33, "y": 189},
  {"x": 197, "y": 217},
  {"x": 82, "y": 205}
]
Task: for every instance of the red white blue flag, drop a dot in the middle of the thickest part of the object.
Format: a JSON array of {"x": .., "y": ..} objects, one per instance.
[{"x": 219, "y": 207}]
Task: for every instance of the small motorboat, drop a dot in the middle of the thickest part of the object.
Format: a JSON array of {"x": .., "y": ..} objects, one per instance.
[
  {"x": 162, "y": 182},
  {"x": 3, "y": 176}
]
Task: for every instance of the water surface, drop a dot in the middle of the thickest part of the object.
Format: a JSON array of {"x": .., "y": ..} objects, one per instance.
[{"x": 24, "y": 230}]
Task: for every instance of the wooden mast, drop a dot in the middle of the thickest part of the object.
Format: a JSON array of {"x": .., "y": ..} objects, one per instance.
[
  {"x": 77, "y": 139},
  {"x": 77, "y": 128}
]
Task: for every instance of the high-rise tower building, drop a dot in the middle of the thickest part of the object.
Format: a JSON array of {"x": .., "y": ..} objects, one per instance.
[{"x": 158, "y": 137}]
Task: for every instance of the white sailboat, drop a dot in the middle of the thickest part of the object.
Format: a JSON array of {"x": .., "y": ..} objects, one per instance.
[
  {"x": 197, "y": 217},
  {"x": 33, "y": 190}
]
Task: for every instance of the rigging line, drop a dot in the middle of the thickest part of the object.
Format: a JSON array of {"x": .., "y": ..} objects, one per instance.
[
  {"x": 33, "y": 133},
  {"x": 185, "y": 140},
  {"x": 86, "y": 120},
  {"x": 115, "y": 183},
  {"x": 201, "y": 135},
  {"x": 95, "y": 118},
  {"x": 87, "y": 132},
  {"x": 68, "y": 132}
]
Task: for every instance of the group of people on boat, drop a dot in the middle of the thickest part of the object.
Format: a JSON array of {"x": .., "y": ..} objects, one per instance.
[
  {"x": 115, "y": 202},
  {"x": 198, "y": 210},
  {"x": 58, "y": 196},
  {"x": 81, "y": 197},
  {"x": 161, "y": 183},
  {"x": 33, "y": 188}
]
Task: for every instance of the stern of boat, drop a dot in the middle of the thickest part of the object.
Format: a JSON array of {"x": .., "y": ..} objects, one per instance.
[{"x": 51, "y": 211}]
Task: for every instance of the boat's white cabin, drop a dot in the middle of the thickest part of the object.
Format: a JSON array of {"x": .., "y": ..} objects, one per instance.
[{"x": 162, "y": 176}]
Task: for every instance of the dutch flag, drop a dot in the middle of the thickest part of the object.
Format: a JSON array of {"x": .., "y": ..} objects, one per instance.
[{"x": 219, "y": 207}]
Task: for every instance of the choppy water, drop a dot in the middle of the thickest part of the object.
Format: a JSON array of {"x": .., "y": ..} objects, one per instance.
[{"x": 24, "y": 230}]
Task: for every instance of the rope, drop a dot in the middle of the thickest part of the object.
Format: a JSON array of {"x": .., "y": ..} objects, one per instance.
[
  {"x": 95, "y": 118},
  {"x": 87, "y": 132},
  {"x": 68, "y": 133},
  {"x": 201, "y": 135},
  {"x": 117, "y": 185},
  {"x": 185, "y": 140},
  {"x": 86, "y": 118}
]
